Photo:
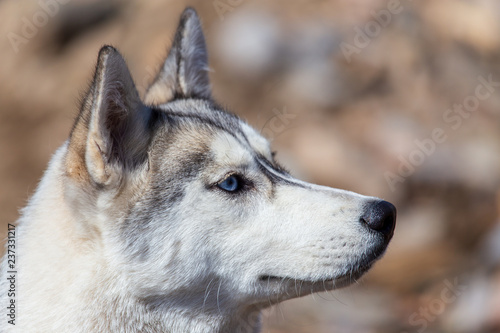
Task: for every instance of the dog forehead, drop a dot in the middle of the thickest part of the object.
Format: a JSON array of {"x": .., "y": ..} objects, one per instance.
[
  {"x": 228, "y": 149},
  {"x": 241, "y": 146},
  {"x": 210, "y": 114},
  {"x": 257, "y": 141},
  {"x": 181, "y": 107}
]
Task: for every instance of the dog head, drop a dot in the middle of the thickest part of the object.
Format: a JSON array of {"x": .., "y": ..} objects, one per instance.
[{"x": 192, "y": 201}]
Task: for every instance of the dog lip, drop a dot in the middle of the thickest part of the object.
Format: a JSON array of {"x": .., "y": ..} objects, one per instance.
[
  {"x": 267, "y": 278},
  {"x": 276, "y": 279},
  {"x": 338, "y": 280}
]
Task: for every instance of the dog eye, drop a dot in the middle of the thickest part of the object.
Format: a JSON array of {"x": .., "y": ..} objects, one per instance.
[{"x": 231, "y": 184}]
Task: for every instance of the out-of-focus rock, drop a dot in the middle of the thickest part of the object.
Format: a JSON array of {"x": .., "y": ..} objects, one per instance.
[
  {"x": 476, "y": 307},
  {"x": 474, "y": 163},
  {"x": 474, "y": 23},
  {"x": 249, "y": 42}
]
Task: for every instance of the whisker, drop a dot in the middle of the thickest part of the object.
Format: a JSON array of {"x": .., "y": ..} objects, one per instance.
[
  {"x": 218, "y": 292},
  {"x": 207, "y": 292}
]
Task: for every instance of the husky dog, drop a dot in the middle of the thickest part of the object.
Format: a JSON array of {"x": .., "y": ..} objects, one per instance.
[{"x": 172, "y": 215}]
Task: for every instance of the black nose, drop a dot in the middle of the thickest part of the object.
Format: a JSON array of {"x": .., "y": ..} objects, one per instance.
[{"x": 380, "y": 216}]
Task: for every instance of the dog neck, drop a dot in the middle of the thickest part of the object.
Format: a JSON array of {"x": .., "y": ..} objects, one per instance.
[{"x": 69, "y": 285}]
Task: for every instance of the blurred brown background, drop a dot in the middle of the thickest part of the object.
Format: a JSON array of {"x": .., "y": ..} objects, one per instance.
[{"x": 350, "y": 92}]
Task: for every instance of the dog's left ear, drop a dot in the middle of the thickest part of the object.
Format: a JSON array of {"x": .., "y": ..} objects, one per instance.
[{"x": 185, "y": 71}]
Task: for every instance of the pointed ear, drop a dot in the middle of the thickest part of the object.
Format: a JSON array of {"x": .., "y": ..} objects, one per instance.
[
  {"x": 111, "y": 134},
  {"x": 185, "y": 71}
]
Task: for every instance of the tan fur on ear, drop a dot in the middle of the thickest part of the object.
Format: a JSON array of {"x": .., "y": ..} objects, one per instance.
[
  {"x": 159, "y": 93},
  {"x": 75, "y": 156}
]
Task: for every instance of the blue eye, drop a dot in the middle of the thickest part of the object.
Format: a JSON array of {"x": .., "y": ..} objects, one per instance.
[{"x": 230, "y": 184}]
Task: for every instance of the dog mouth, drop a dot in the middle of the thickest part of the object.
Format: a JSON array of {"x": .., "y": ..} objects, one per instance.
[
  {"x": 349, "y": 276},
  {"x": 269, "y": 278},
  {"x": 276, "y": 287},
  {"x": 312, "y": 285},
  {"x": 282, "y": 282}
]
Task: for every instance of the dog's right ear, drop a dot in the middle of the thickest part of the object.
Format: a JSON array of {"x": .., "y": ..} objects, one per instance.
[
  {"x": 111, "y": 135},
  {"x": 185, "y": 71}
]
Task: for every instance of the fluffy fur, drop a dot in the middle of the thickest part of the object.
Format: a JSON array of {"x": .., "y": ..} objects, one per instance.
[{"x": 130, "y": 231}]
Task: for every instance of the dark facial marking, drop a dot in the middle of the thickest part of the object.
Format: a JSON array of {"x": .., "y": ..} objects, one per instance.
[
  {"x": 275, "y": 179},
  {"x": 167, "y": 189}
]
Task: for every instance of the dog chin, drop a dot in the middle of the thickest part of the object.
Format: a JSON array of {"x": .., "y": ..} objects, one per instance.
[{"x": 280, "y": 288}]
